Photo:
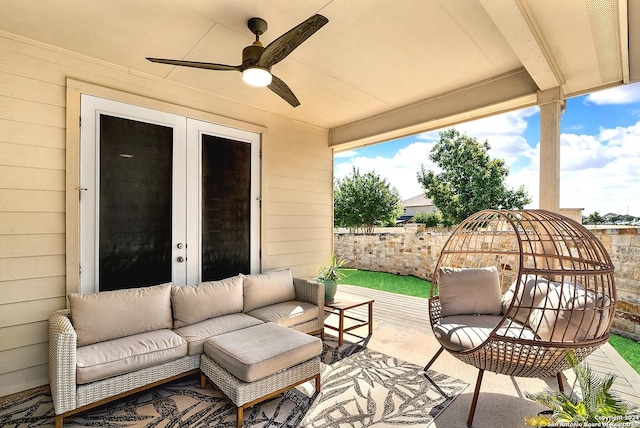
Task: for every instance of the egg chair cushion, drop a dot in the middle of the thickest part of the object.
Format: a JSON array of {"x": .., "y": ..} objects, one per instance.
[
  {"x": 570, "y": 314},
  {"x": 466, "y": 332},
  {"x": 532, "y": 291},
  {"x": 465, "y": 291}
]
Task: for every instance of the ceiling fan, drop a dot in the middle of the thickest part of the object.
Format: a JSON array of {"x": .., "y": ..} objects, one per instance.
[{"x": 257, "y": 60}]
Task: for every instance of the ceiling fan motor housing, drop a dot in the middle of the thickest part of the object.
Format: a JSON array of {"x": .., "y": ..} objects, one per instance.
[{"x": 251, "y": 54}]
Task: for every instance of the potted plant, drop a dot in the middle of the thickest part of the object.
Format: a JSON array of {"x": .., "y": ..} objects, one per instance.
[
  {"x": 598, "y": 406},
  {"x": 329, "y": 275}
]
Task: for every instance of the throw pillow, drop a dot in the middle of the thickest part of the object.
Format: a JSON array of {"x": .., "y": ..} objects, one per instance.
[
  {"x": 533, "y": 290},
  {"x": 469, "y": 291},
  {"x": 570, "y": 314}
]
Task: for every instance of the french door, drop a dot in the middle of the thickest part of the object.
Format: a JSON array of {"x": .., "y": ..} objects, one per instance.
[{"x": 164, "y": 198}]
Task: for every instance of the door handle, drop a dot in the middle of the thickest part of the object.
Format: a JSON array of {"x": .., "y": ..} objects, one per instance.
[{"x": 180, "y": 259}]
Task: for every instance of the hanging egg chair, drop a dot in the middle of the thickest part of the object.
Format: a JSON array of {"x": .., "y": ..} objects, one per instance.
[{"x": 514, "y": 290}]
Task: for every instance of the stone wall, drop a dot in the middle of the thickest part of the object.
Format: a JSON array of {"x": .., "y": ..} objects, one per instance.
[
  {"x": 408, "y": 250},
  {"x": 623, "y": 246},
  {"x": 414, "y": 250}
]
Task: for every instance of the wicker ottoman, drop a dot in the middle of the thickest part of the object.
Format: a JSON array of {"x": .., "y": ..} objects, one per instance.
[{"x": 257, "y": 363}]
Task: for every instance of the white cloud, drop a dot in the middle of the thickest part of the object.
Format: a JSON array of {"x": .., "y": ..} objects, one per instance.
[
  {"x": 604, "y": 190},
  {"x": 504, "y": 133},
  {"x": 529, "y": 178},
  {"x": 601, "y": 172},
  {"x": 597, "y": 172},
  {"x": 511, "y": 123},
  {"x": 619, "y": 95},
  {"x": 507, "y": 124},
  {"x": 582, "y": 152},
  {"x": 346, "y": 154}
]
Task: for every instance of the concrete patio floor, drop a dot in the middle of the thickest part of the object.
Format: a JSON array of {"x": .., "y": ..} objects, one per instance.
[{"x": 402, "y": 330}]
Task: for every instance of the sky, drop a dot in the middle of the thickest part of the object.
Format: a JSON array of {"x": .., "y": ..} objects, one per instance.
[{"x": 599, "y": 152}]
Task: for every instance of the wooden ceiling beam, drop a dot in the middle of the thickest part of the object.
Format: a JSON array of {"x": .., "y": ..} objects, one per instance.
[
  {"x": 518, "y": 26},
  {"x": 504, "y": 93}
]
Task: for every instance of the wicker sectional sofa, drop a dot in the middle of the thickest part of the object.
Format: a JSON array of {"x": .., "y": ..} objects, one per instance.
[{"x": 108, "y": 345}]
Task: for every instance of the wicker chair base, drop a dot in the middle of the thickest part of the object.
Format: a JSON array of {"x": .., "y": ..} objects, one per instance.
[
  {"x": 537, "y": 361},
  {"x": 246, "y": 394}
]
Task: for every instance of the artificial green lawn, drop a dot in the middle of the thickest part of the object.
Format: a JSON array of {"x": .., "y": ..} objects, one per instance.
[
  {"x": 628, "y": 349},
  {"x": 416, "y": 287},
  {"x": 399, "y": 284}
]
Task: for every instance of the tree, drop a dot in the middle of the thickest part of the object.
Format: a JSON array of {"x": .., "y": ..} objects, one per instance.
[
  {"x": 364, "y": 201},
  {"x": 431, "y": 220},
  {"x": 470, "y": 180},
  {"x": 595, "y": 218},
  {"x": 428, "y": 219}
]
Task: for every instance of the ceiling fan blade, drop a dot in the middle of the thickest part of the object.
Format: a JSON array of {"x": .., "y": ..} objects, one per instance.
[
  {"x": 281, "y": 88},
  {"x": 194, "y": 64},
  {"x": 277, "y": 50}
]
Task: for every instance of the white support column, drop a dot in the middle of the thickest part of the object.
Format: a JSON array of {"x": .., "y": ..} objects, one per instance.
[{"x": 551, "y": 103}]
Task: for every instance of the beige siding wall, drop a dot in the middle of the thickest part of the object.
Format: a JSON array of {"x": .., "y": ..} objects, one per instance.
[{"x": 35, "y": 227}]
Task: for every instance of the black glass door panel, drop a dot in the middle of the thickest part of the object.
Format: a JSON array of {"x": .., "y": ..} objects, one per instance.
[
  {"x": 226, "y": 219},
  {"x": 135, "y": 238}
]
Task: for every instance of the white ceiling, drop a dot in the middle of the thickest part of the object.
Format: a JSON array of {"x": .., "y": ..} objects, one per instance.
[{"x": 373, "y": 58}]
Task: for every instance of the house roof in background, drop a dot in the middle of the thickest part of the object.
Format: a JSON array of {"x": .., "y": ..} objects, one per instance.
[
  {"x": 378, "y": 69},
  {"x": 417, "y": 201}
]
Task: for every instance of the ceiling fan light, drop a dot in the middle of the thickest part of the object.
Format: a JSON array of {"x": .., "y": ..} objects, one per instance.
[{"x": 256, "y": 76}]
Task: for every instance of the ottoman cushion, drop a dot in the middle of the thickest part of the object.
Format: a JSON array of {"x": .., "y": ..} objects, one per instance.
[{"x": 256, "y": 352}]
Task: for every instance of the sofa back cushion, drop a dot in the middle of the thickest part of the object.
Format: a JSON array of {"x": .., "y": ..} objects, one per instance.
[
  {"x": 113, "y": 314},
  {"x": 465, "y": 291},
  {"x": 195, "y": 303},
  {"x": 267, "y": 289}
]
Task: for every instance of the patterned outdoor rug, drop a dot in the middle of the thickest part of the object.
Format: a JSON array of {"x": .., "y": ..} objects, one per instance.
[{"x": 360, "y": 388}]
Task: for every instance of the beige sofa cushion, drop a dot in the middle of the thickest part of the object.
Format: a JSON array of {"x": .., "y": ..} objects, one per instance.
[
  {"x": 257, "y": 352},
  {"x": 192, "y": 304},
  {"x": 114, "y": 357},
  {"x": 115, "y": 314},
  {"x": 466, "y": 332},
  {"x": 267, "y": 288},
  {"x": 570, "y": 314},
  {"x": 533, "y": 290},
  {"x": 196, "y": 334},
  {"x": 469, "y": 291},
  {"x": 286, "y": 313}
]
